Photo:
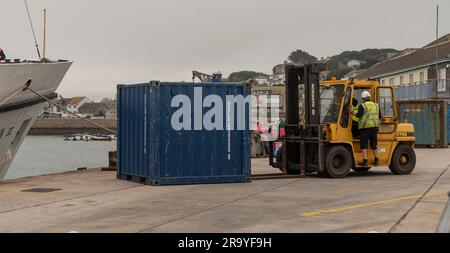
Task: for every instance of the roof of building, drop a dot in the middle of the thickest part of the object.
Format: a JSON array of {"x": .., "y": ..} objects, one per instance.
[
  {"x": 353, "y": 73},
  {"x": 91, "y": 107},
  {"x": 71, "y": 101},
  {"x": 442, "y": 39},
  {"x": 415, "y": 59},
  {"x": 403, "y": 52},
  {"x": 109, "y": 103},
  {"x": 77, "y": 100}
]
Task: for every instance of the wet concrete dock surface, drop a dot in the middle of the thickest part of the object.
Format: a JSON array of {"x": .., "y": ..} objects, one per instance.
[{"x": 95, "y": 201}]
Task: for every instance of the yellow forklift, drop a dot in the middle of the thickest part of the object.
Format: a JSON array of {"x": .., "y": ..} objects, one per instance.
[{"x": 321, "y": 140}]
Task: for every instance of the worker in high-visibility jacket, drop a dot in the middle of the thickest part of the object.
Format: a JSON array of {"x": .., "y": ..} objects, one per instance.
[
  {"x": 2, "y": 55},
  {"x": 369, "y": 115},
  {"x": 355, "y": 119}
]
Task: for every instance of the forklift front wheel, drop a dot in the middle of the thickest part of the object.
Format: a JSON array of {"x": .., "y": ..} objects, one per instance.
[{"x": 338, "y": 162}]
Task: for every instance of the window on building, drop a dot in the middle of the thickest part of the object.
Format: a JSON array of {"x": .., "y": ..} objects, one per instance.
[
  {"x": 402, "y": 80},
  {"x": 383, "y": 82},
  {"x": 392, "y": 81},
  {"x": 422, "y": 77},
  {"x": 441, "y": 78},
  {"x": 411, "y": 79}
]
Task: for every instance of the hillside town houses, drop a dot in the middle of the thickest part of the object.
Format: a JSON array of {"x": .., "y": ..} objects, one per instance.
[
  {"x": 411, "y": 66},
  {"x": 82, "y": 106}
]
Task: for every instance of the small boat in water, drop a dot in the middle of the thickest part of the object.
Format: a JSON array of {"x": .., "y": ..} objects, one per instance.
[
  {"x": 73, "y": 137},
  {"x": 98, "y": 138},
  {"x": 90, "y": 137}
]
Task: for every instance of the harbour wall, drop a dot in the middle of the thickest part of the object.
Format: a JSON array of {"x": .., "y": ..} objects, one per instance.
[{"x": 70, "y": 126}]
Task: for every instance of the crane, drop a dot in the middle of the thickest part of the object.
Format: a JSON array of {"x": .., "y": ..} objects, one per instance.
[{"x": 205, "y": 78}]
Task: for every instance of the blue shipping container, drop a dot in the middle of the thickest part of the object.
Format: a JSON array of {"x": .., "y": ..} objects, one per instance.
[
  {"x": 157, "y": 146},
  {"x": 430, "y": 120}
]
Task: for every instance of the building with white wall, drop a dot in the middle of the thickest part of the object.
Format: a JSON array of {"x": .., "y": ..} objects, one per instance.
[
  {"x": 70, "y": 104},
  {"x": 414, "y": 66}
]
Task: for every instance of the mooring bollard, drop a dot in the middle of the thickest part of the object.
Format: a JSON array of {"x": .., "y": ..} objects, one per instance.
[
  {"x": 444, "y": 225},
  {"x": 112, "y": 158}
]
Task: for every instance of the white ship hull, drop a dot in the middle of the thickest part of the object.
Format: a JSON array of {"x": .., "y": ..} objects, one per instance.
[{"x": 19, "y": 113}]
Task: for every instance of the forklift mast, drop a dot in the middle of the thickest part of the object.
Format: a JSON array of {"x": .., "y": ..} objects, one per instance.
[
  {"x": 303, "y": 141},
  {"x": 308, "y": 77}
]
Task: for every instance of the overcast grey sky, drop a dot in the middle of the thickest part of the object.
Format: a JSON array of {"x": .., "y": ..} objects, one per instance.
[{"x": 136, "y": 41}]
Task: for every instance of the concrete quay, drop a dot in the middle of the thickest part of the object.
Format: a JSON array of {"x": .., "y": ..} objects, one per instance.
[{"x": 95, "y": 201}]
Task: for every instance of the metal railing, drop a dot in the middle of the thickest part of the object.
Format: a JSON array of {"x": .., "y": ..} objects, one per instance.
[
  {"x": 444, "y": 225},
  {"x": 431, "y": 89},
  {"x": 415, "y": 92}
]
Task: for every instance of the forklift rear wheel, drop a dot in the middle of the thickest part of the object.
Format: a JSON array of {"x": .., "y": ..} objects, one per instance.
[
  {"x": 403, "y": 161},
  {"x": 338, "y": 162},
  {"x": 361, "y": 169}
]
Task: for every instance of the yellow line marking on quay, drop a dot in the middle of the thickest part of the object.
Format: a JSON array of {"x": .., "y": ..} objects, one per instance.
[{"x": 318, "y": 214}]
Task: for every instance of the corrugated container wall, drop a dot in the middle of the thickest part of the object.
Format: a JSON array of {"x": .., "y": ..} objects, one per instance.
[
  {"x": 430, "y": 119},
  {"x": 152, "y": 151}
]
